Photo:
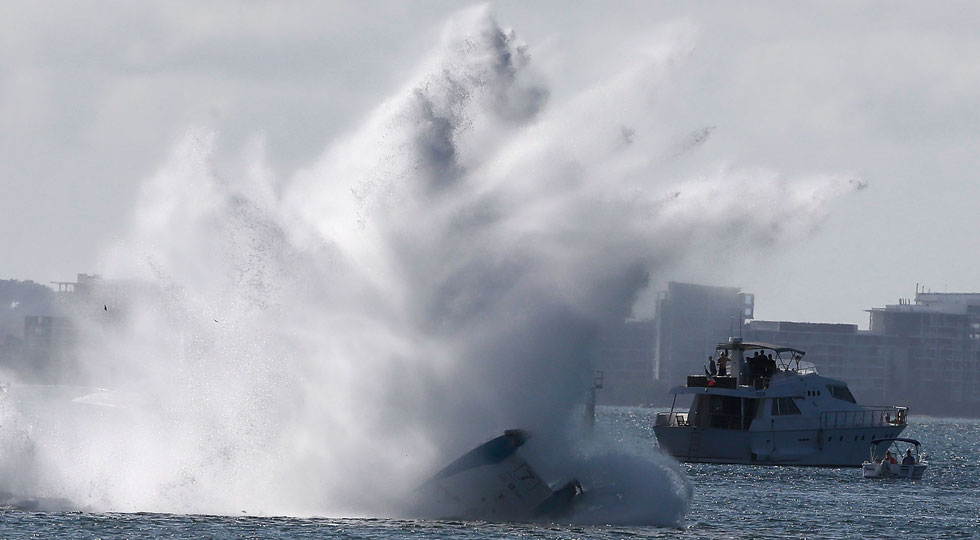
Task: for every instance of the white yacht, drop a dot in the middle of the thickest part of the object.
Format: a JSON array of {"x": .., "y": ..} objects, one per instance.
[{"x": 772, "y": 410}]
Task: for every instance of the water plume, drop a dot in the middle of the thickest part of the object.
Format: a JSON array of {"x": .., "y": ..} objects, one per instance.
[{"x": 318, "y": 344}]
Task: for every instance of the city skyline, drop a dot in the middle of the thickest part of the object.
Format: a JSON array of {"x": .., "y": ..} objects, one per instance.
[{"x": 63, "y": 284}]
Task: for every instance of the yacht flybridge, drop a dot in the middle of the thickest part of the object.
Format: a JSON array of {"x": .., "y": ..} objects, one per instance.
[{"x": 772, "y": 409}]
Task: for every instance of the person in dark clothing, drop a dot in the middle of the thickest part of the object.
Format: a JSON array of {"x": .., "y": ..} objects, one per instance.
[
  {"x": 908, "y": 459},
  {"x": 755, "y": 366},
  {"x": 712, "y": 369}
]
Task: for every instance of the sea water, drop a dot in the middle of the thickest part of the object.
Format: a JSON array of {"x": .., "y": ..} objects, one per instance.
[{"x": 730, "y": 501}]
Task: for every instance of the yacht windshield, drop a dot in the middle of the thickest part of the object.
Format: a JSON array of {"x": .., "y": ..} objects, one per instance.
[
  {"x": 784, "y": 405},
  {"x": 841, "y": 392}
]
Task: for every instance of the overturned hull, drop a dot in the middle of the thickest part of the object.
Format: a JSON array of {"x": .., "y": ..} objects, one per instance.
[{"x": 493, "y": 482}]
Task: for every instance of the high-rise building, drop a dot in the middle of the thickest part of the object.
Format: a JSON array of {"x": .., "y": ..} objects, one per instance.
[
  {"x": 624, "y": 355},
  {"x": 923, "y": 353},
  {"x": 939, "y": 335},
  {"x": 691, "y": 320}
]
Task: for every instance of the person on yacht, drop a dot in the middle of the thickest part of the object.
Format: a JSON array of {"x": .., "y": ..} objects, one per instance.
[
  {"x": 723, "y": 364},
  {"x": 711, "y": 370},
  {"x": 908, "y": 459}
]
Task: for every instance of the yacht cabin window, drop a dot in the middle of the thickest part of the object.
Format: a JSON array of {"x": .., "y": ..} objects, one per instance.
[
  {"x": 784, "y": 405},
  {"x": 841, "y": 392}
]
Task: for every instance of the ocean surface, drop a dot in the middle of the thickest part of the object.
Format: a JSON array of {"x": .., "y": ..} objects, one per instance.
[{"x": 729, "y": 502}]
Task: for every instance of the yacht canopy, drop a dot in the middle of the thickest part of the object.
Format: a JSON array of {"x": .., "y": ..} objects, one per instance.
[
  {"x": 910, "y": 441},
  {"x": 756, "y": 345}
]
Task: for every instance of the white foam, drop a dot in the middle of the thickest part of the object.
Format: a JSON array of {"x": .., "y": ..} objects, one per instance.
[{"x": 318, "y": 344}]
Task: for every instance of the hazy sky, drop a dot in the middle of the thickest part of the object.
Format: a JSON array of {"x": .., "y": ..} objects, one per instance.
[{"x": 93, "y": 96}]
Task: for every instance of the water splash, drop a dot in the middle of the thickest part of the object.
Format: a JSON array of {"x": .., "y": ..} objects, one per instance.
[{"x": 319, "y": 344}]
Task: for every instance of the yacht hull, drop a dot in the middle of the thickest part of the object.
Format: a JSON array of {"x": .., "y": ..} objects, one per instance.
[{"x": 843, "y": 447}]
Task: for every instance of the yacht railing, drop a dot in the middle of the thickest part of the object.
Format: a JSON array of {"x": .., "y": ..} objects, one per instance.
[
  {"x": 671, "y": 419},
  {"x": 805, "y": 368},
  {"x": 869, "y": 417}
]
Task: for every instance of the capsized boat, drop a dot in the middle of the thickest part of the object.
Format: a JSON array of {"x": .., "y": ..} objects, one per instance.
[
  {"x": 772, "y": 409},
  {"x": 493, "y": 482},
  {"x": 909, "y": 464}
]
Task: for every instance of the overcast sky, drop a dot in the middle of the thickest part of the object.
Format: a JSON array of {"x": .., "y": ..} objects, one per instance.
[{"x": 94, "y": 95}]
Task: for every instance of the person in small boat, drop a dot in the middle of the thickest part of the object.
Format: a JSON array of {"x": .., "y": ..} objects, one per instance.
[
  {"x": 908, "y": 459},
  {"x": 889, "y": 458},
  {"x": 723, "y": 364}
]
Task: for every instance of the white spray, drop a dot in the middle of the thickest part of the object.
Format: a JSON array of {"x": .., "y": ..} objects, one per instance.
[{"x": 319, "y": 344}]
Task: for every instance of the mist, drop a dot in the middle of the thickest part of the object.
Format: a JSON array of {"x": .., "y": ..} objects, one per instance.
[{"x": 319, "y": 342}]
